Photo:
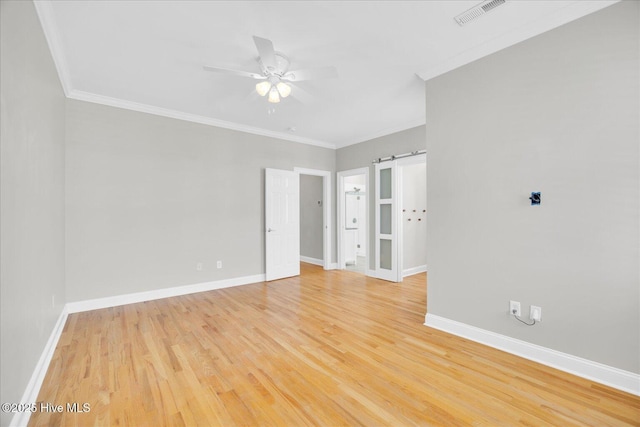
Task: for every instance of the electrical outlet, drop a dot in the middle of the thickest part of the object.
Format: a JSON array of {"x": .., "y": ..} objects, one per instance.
[
  {"x": 219, "y": 264},
  {"x": 535, "y": 313},
  {"x": 199, "y": 266},
  {"x": 514, "y": 305}
]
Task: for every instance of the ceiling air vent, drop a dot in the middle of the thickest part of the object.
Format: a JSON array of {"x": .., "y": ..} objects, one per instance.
[{"x": 478, "y": 10}]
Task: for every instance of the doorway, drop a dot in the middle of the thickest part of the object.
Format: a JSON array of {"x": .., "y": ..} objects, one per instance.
[
  {"x": 311, "y": 222},
  {"x": 282, "y": 221},
  {"x": 353, "y": 220},
  {"x": 412, "y": 230},
  {"x": 320, "y": 208}
]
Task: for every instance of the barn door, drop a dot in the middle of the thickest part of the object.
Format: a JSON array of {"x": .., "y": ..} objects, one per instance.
[{"x": 386, "y": 203}]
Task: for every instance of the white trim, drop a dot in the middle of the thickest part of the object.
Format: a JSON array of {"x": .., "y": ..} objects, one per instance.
[
  {"x": 114, "y": 301},
  {"x": 341, "y": 264},
  {"x": 370, "y": 273},
  {"x": 174, "y": 114},
  {"x": 573, "y": 11},
  {"x": 414, "y": 270},
  {"x": 33, "y": 387},
  {"x": 314, "y": 261},
  {"x": 333, "y": 266},
  {"x": 594, "y": 371},
  {"x": 327, "y": 196}
]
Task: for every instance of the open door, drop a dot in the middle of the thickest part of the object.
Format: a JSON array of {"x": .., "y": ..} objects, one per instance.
[
  {"x": 387, "y": 262},
  {"x": 282, "y": 223}
]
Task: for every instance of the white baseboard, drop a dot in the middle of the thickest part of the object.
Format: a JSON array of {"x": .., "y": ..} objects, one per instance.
[
  {"x": 33, "y": 387},
  {"x": 405, "y": 273},
  {"x": 98, "y": 303},
  {"x": 414, "y": 270},
  {"x": 314, "y": 261},
  {"x": 594, "y": 371}
]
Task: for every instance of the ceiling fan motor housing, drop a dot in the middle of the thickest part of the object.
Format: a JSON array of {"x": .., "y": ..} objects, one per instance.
[{"x": 281, "y": 65}]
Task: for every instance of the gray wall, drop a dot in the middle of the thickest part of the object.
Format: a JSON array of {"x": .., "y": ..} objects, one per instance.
[
  {"x": 558, "y": 114},
  {"x": 362, "y": 154},
  {"x": 148, "y": 197},
  {"x": 32, "y": 197},
  {"x": 311, "y": 217}
]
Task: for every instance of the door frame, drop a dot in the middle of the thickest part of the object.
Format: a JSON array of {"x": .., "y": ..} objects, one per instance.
[
  {"x": 327, "y": 227},
  {"x": 341, "y": 212}
]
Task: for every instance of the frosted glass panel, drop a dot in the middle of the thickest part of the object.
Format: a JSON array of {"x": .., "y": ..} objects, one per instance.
[
  {"x": 385, "y": 219},
  {"x": 385, "y": 183},
  {"x": 385, "y": 254}
]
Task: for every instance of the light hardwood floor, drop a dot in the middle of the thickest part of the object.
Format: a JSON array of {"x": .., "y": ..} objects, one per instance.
[{"x": 326, "y": 348}]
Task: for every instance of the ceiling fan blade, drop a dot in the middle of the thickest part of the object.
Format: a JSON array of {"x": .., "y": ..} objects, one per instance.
[
  {"x": 311, "y": 74},
  {"x": 301, "y": 95},
  {"x": 266, "y": 52},
  {"x": 234, "y": 72}
]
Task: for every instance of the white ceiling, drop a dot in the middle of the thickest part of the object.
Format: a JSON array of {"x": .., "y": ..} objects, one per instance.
[{"x": 148, "y": 56}]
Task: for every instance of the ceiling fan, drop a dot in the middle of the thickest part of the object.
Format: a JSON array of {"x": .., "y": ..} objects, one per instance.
[{"x": 275, "y": 74}]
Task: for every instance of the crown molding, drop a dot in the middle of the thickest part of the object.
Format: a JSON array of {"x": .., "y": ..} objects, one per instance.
[
  {"x": 179, "y": 115},
  {"x": 569, "y": 13},
  {"x": 46, "y": 16},
  {"x": 44, "y": 10}
]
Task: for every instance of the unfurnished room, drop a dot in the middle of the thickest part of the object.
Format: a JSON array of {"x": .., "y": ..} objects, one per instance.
[{"x": 320, "y": 213}]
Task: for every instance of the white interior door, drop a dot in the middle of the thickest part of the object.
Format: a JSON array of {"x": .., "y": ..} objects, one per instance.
[
  {"x": 282, "y": 223},
  {"x": 386, "y": 206}
]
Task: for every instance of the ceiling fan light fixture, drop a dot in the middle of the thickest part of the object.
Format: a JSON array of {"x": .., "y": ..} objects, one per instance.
[
  {"x": 275, "y": 75},
  {"x": 274, "y": 96},
  {"x": 284, "y": 89},
  {"x": 263, "y": 88}
]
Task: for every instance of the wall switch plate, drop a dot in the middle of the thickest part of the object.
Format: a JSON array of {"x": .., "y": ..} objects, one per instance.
[
  {"x": 199, "y": 266},
  {"x": 219, "y": 264},
  {"x": 514, "y": 305},
  {"x": 535, "y": 313},
  {"x": 535, "y": 198}
]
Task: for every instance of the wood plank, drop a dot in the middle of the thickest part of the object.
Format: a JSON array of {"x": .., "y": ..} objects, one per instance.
[{"x": 326, "y": 348}]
